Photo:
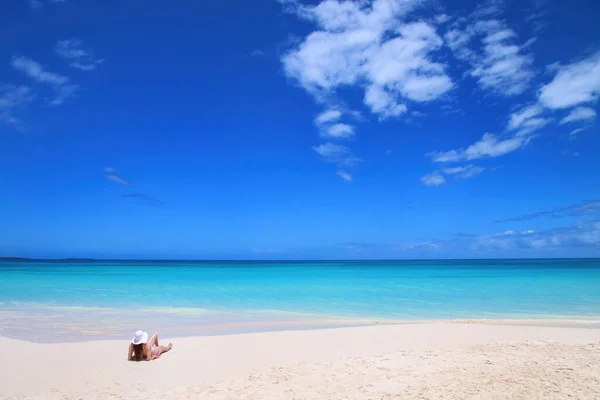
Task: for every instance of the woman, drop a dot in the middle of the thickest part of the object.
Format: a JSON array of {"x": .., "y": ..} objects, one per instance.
[{"x": 141, "y": 348}]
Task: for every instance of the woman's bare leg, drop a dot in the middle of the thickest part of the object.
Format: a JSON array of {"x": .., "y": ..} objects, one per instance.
[
  {"x": 163, "y": 349},
  {"x": 153, "y": 341}
]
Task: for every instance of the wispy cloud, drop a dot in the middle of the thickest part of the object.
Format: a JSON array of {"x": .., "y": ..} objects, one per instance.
[
  {"x": 583, "y": 209},
  {"x": 257, "y": 53},
  {"x": 528, "y": 119},
  {"x": 433, "y": 179},
  {"x": 112, "y": 176},
  {"x": 579, "y": 114},
  {"x": 575, "y": 132},
  {"x": 337, "y": 154},
  {"x": 489, "y": 145},
  {"x": 465, "y": 172},
  {"x": 72, "y": 50},
  {"x": 345, "y": 176},
  {"x": 35, "y": 71},
  {"x": 140, "y": 197},
  {"x": 436, "y": 178},
  {"x": 328, "y": 116},
  {"x": 505, "y": 67},
  {"x": 61, "y": 84},
  {"x": 13, "y": 98},
  {"x": 117, "y": 179},
  {"x": 537, "y": 18},
  {"x": 583, "y": 234},
  {"x": 330, "y": 127},
  {"x": 502, "y": 66},
  {"x": 574, "y": 84},
  {"x": 338, "y": 131},
  {"x": 397, "y": 246}
]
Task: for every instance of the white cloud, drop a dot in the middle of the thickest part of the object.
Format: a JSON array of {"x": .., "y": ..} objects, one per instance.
[
  {"x": 326, "y": 122},
  {"x": 519, "y": 118},
  {"x": 579, "y": 114},
  {"x": 117, "y": 179},
  {"x": 458, "y": 40},
  {"x": 36, "y": 71},
  {"x": 339, "y": 131},
  {"x": 328, "y": 116},
  {"x": 503, "y": 67},
  {"x": 368, "y": 45},
  {"x": 433, "y": 179},
  {"x": 442, "y": 18},
  {"x": 575, "y": 132},
  {"x": 436, "y": 178},
  {"x": 488, "y": 146},
  {"x": 468, "y": 171},
  {"x": 13, "y": 98},
  {"x": 70, "y": 49},
  {"x": 573, "y": 84},
  {"x": 489, "y": 8},
  {"x": 80, "y": 59},
  {"x": 112, "y": 176},
  {"x": 331, "y": 150},
  {"x": 532, "y": 125},
  {"x": 345, "y": 176},
  {"x": 382, "y": 102},
  {"x": 528, "y": 119},
  {"x": 583, "y": 234},
  {"x": 336, "y": 153},
  {"x": 257, "y": 53}
]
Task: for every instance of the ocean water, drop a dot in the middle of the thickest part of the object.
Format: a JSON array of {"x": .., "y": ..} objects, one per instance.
[{"x": 72, "y": 300}]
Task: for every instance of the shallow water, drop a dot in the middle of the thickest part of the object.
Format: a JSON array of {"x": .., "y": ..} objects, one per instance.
[{"x": 69, "y": 300}]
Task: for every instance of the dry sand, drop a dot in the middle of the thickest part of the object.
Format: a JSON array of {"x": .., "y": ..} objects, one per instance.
[{"x": 434, "y": 360}]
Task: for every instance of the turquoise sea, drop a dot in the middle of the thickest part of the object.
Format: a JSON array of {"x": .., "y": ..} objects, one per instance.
[{"x": 75, "y": 300}]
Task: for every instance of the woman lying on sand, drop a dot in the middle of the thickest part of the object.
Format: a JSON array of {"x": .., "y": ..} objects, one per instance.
[{"x": 141, "y": 348}]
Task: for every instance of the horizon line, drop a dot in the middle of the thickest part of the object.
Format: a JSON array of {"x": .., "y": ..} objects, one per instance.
[{"x": 86, "y": 259}]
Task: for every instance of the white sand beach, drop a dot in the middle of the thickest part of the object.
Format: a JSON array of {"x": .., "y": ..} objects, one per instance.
[{"x": 436, "y": 360}]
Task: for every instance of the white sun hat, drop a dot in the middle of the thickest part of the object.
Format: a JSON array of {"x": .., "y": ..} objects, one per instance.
[{"x": 140, "y": 337}]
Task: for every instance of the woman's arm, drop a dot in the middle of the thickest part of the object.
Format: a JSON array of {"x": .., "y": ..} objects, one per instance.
[{"x": 130, "y": 352}]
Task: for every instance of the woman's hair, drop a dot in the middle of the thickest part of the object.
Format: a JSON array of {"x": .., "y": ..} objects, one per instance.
[{"x": 138, "y": 352}]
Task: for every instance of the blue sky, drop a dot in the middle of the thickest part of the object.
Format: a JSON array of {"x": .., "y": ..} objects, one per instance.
[{"x": 278, "y": 129}]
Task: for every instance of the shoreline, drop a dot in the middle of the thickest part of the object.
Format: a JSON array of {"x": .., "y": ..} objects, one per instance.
[
  {"x": 455, "y": 360},
  {"x": 258, "y": 327}
]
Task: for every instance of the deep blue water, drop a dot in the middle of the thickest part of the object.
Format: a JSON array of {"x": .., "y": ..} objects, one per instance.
[{"x": 548, "y": 288}]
